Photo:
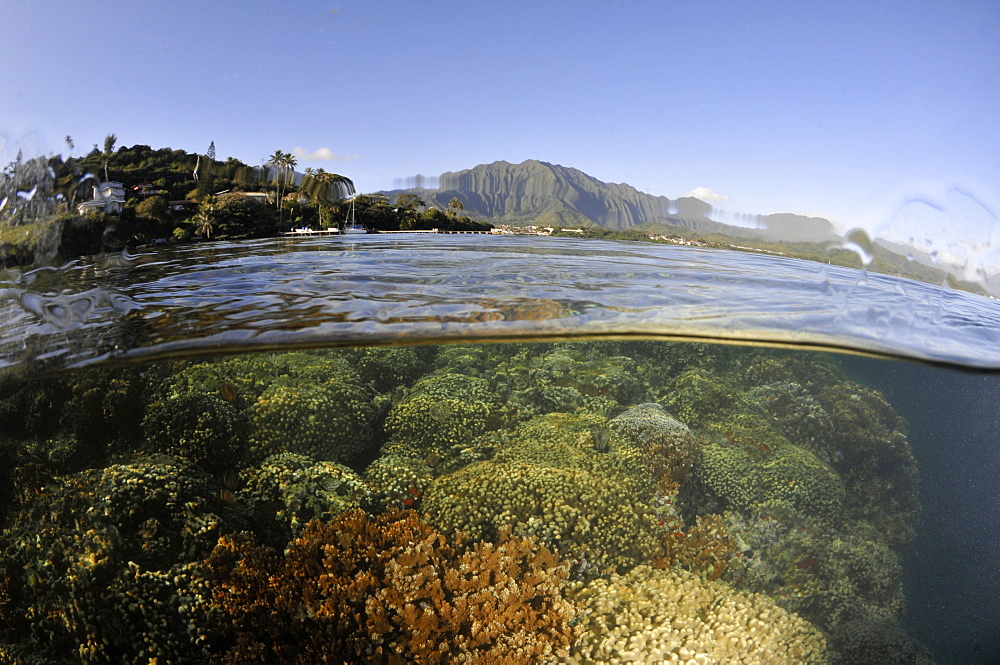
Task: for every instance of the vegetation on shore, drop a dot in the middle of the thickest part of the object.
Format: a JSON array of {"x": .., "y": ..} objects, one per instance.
[{"x": 173, "y": 195}]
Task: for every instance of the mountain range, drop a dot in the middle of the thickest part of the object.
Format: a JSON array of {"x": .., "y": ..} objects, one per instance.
[{"x": 544, "y": 194}]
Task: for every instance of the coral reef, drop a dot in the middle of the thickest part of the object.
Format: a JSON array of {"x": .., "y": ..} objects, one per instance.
[
  {"x": 833, "y": 577},
  {"x": 668, "y": 447},
  {"x": 201, "y": 511},
  {"x": 672, "y": 616},
  {"x": 96, "y": 565},
  {"x": 397, "y": 481},
  {"x": 325, "y": 413},
  {"x": 739, "y": 479},
  {"x": 73, "y": 421},
  {"x": 565, "y": 479},
  {"x": 441, "y": 414},
  {"x": 291, "y": 490},
  {"x": 388, "y": 590},
  {"x": 238, "y": 411},
  {"x": 704, "y": 549}
]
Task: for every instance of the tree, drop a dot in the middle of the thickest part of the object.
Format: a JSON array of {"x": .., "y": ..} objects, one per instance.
[
  {"x": 237, "y": 216},
  {"x": 284, "y": 164},
  {"x": 325, "y": 188},
  {"x": 409, "y": 202},
  {"x": 204, "y": 221},
  {"x": 109, "y": 149},
  {"x": 152, "y": 216},
  {"x": 455, "y": 206},
  {"x": 69, "y": 142},
  {"x": 210, "y": 153}
]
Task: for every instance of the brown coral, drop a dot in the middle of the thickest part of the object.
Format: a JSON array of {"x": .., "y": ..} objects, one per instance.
[
  {"x": 705, "y": 549},
  {"x": 388, "y": 590}
]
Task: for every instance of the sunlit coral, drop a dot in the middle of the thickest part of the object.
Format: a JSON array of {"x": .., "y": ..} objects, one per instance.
[{"x": 389, "y": 590}]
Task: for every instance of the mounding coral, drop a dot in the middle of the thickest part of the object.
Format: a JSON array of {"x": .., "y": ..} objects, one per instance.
[
  {"x": 669, "y": 448},
  {"x": 672, "y": 616},
  {"x": 238, "y": 411},
  {"x": 96, "y": 566},
  {"x": 566, "y": 479}
]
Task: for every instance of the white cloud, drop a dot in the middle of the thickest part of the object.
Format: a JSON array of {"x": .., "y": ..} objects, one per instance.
[
  {"x": 706, "y": 194},
  {"x": 321, "y": 155}
]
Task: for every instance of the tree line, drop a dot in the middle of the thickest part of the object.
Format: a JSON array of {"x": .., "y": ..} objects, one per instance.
[{"x": 175, "y": 195}]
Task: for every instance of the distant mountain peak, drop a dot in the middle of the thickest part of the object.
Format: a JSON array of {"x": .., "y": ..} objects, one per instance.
[{"x": 543, "y": 193}]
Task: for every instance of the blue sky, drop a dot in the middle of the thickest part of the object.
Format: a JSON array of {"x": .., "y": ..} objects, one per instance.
[{"x": 853, "y": 110}]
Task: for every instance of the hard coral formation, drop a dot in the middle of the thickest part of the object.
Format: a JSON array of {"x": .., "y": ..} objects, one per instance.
[
  {"x": 237, "y": 411},
  {"x": 668, "y": 447},
  {"x": 96, "y": 563},
  {"x": 441, "y": 414},
  {"x": 672, "y": 616},
  {"x": 72, "y": 421},
  {"x": 558, "y": 482},
  {"x": 292, "y": 490},
  {"x": 705, "y": 549},
  {"x": 830, "y": 576},
  {"x": 388, "y": 590},
  {"x": 202, "y": 427},
  {"x": 766, "y": 470},
  {"x": 325, "y": 416},
  {"x": 739, "y": 479}
]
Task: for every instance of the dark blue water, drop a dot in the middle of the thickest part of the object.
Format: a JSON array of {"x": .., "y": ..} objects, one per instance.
[{"x": 952, "y": 572}]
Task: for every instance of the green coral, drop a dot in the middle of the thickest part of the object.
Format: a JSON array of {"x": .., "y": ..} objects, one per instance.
[
  {"x": 740, "y": 479},
  {"x": 397, "y": 481},
  {"x": 831, "y": 576},
  {"x": 441, "y": 414},
  {"x": 387, "y": 368},
  {"x": 296, "y": 489},
  {"x": 201, "y": 427},
  {"x": 95, "y": 566},
  {"x": 567, "y": 480},
  {"x": 328, "y": 417},
  {"x": 73, "y": 421}
]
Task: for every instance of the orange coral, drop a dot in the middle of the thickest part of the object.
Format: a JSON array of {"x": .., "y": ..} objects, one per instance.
[
  {"x": 389, "y": 589},
  {"x": 704, "y": 549}
]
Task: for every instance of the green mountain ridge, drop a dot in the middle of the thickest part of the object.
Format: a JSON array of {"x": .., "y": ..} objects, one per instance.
[{"x": 544, "y": 194}]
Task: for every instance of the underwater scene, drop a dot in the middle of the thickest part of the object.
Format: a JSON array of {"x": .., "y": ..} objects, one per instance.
[
  {"x": 494, "y": 450},
  {"x": 565, "y": 502}
]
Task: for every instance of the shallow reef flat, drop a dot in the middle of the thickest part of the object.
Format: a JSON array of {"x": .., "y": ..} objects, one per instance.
[{"x": 567, "y": 502}]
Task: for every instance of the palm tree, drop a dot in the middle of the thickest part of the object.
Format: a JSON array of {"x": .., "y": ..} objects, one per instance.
[
  {"x": 455, "y": 206},
  {"x": 327, "y": 188},
  {"x": 203, "y": 222}
]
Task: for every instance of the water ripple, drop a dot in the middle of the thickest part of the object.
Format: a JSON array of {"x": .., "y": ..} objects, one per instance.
[{"x": 385, "y": 289}]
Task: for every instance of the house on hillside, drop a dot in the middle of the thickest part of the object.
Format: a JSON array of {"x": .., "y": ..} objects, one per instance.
[
  {"x": 108, "y": 197},
  {"x": 144, "y": 189}
]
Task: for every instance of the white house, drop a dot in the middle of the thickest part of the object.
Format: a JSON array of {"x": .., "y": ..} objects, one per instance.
[{"x": 108, "y": 197}]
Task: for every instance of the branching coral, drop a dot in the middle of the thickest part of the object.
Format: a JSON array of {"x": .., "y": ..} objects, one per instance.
[
  {"x": 388, "y": 590},
  {"x": 705, "y": 549}
]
